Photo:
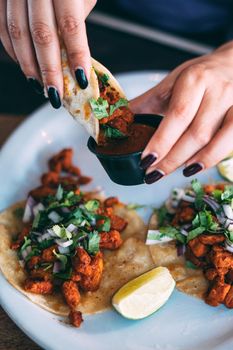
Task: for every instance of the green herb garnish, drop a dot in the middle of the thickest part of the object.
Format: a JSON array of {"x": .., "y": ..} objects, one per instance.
[
  {"x": 99, "y": 107},
  {"x": 110, "y": 132},
  {"x": 93, "y": 242},
  {"x": 197, "y": 188},
  {"x": 173, "y": 232},
  {"x": 122, "y": 102},
  {"x": 92, "y": 205}
]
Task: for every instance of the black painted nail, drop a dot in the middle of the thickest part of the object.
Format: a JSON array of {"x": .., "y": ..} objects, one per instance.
[
  {"x": 153, "y": 176},
  {"x": 147, "y": 161},
  {"x": 192, "y": 169},
  {"x": 81, "y": 78},
  {"x": 54, "y": 97},
  {"x": 36, "y": 85}
]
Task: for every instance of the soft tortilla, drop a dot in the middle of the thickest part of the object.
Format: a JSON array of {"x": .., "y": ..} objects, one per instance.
[
  {"x": 129, "y": 261},
  {"x": 189, "y": 281},
  {"x": 76, "y": 100}
]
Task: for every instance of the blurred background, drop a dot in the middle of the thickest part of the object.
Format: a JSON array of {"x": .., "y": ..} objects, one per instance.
[{"x": 128, "y": 35}]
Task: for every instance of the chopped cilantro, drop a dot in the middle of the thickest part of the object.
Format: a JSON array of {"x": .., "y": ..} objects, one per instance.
[
  {"x": 197, "y": 188},
  {"x": 66, "y": 275},
  {"x": 62, "y": 258},
  {"x": 135, "y": 206},
  {"x": 62, "y": 232},
  {"x": 99, "y": 107},
  {"x": 122, "y": 102},
  {"x": 104, "y": 78},
  {"x": 106, "y": 225},
  {"x": 110, "y": 132},
  {"x": 27, "y": 242},
  {"x": 195, "y": 232},
  {"x": 174, "y": 233},
  {"x": 93, "y": 242},
  {"x": 92, "y": 205},
  {"x": 190, "y": 265}
]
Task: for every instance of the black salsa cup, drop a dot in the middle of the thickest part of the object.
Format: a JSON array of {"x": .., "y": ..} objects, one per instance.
[{"x": 124, "y": 169}]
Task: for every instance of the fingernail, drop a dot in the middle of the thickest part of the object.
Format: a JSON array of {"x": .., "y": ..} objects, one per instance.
[
  {"x": 153, "y": 176},
  {"x": 147, "y": 161},
  {"x": 54, "y": 97},
  {"x": 81, "y": 78},
  {"x": 192, "y": 169},
  {"x": 35, "y": 85}
]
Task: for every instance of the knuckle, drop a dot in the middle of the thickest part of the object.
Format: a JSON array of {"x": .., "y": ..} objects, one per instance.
[
  {"x": 69, "y": 25},
  {"x": 195, "y": 72},
  {"x": 14, "y": 30},
  {"x": 200, "y": 135},
  {"x": 168, "y": 165},
  {"x": 228, "y": 87},
  {"x": 49, "y": 70},
  {"x": 41, "y": 34},
  {"x": 179, "y": 110},
  {"x": 77, "y": 56}
]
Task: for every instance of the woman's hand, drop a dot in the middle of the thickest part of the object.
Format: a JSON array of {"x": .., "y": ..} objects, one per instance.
[
  {"x": 29, "y": 33},
  {"x": 197, "y": 101}
]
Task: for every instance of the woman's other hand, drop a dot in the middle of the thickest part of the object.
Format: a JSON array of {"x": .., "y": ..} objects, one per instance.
[{"x": 197, "y": 101}]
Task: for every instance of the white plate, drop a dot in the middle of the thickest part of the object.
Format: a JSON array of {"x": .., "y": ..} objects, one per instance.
[{"x": 184, "y": 323}]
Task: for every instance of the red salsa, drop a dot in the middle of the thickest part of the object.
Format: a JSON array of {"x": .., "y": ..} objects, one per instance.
[{"x": 136, "y": 140}]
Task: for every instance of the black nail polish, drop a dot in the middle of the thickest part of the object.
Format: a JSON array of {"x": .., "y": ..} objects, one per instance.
[
  {"x": 54, "y": 97},
  {"x": 147, "y": 161},
  {"x": 192, "y": 169},
  {"x": 81, "y": 78},
  {"x": 36, "y": 85},
  {"x": 153, "y": 176}
]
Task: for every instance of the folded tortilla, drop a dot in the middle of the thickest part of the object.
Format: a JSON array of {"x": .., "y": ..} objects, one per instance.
[
  {"x": 76, "y": 100},
  {"x": 120, "y": 266},
  {"x": 189, "y": 281}
]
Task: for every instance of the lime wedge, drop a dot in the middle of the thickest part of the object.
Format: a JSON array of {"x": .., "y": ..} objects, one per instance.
[
  {"x": 225, "y": 168},
  {"x": 145, "y": 294}
]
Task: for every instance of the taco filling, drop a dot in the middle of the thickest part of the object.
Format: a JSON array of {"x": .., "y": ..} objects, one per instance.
[
  {"x": 67, "y": 250},
  {"x": 200, "y": 222},
  {"x": 111, "y": 110}
]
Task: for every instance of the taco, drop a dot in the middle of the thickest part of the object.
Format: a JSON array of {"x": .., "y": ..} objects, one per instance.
[
  {"x": 192, "y": 235},
  {"x": 102, "y": 108},
  {"x": 71, "y": 250}
]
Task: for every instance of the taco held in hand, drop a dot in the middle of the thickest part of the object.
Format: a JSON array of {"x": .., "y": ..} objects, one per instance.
[{"x": 102, "y": 108}]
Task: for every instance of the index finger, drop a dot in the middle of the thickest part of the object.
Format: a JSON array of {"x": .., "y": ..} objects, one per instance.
[
  {"x": 186, "y": 98},
  {"x": 70, "y": 16}
]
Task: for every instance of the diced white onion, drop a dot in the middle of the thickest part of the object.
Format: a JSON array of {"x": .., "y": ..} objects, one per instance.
[
  {"x": 28, "y": 213},
  {"x": 63, "y": 250},
  {"x": 26, "y": 252},
  {"x": 71, "y": 228},
  {"x": 54, "y": 216},
  {"x": 227, "y": 222},
  {"x": 38, "y": 207},
  {"x": 63, "y": 243},
  {"x": 188, "y": 198},
  {"x": 51, "y": 232},
  {"x": 228, "y": 211},
  {"x": 44, "y": 237},
  {"x": 184, "y": 232},
  {"x": 229, "y": 246},
  {"x": 230, "y": 227}
]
